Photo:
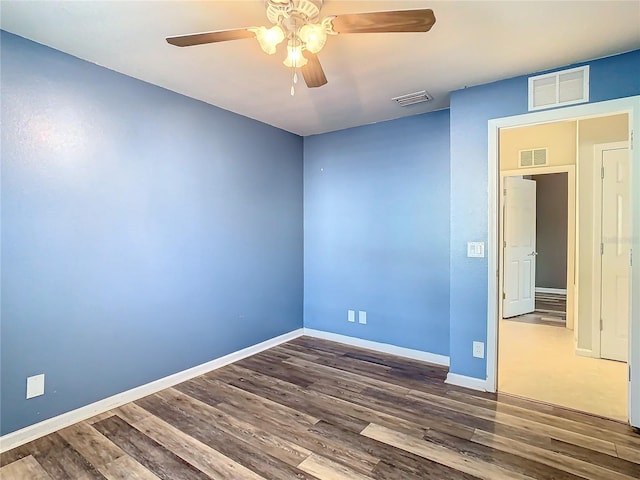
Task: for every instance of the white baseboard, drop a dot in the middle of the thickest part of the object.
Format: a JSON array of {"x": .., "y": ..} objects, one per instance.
[
  {"x": 40, "y": 429},
  {"x": 380, "y": 347},
  {"x": 584, "y": 352},
  {"x": 467, "y": 382},
  {"x": 557, "y": 291}
]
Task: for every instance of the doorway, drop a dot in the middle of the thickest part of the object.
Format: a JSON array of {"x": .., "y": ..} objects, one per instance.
[
  {"x": 539, "y": 357},
  {"x": 546, "y": 367},
  {"x": 536, "y": 267}
]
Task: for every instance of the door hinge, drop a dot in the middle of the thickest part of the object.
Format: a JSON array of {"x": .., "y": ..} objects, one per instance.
[
  {"x": 602, "y": 249},
  {"x": 504, "y": 296},
  {"x": 504, "y": 192},
  {"x": 631, "y": 141},
  {"x": 629, "y": 372},
  {"x": 504, "y": 244},
  {"x": 631, "y": 257},
  {"x": 602, "y": 172},
  {"x": 601, "y": 325}
]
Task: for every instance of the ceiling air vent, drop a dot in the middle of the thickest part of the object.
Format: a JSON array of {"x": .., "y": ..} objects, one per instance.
[
  {"x": 412, "y": 98},
  {"x": 536, "y": 157}
]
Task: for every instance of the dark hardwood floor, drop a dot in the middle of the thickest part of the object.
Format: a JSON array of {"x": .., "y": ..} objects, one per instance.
[{"x": 312, "y": 409}]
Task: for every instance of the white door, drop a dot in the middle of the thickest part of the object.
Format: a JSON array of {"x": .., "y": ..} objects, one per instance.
[
  {"x": 519, "y": 246},
  {"x": 616, "y": 237}
]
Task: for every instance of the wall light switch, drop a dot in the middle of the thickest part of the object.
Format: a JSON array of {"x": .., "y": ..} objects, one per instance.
[
  {"x": 35, "y": 386},
  {"x": 478, "y": 349},
  {"x": 362, "y": 317},
  {"x": 351, "y": 315},
  {"x": 475, "y": 249}
]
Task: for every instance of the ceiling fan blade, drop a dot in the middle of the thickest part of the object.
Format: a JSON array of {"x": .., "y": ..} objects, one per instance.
[
  {"x": 382, "y": 22},
  {"x": 312, "y": 72},
  {"x": 209, "y": 37}
]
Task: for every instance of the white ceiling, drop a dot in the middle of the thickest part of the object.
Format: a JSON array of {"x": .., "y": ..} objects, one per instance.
[{"x": 472, "y": 42}]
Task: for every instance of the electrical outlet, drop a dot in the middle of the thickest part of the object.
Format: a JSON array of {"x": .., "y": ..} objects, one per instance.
[
  {"x": 478, "y": 349},
  {"x": 351, "y": 315},
  {"x": 362, "y": 317},
  {"x": 35, "y": 386}
]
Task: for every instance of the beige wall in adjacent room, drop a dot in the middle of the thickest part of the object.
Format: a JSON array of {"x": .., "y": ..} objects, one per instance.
[
  {"x": 559, "y": 138},
  {"x": 591, "y": 132}
]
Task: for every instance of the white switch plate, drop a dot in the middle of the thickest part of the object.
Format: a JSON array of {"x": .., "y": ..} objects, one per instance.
[
  {"x": 351, "y": 315},
  {"x": 478, "y": 349},
  {"x": 362, "y": 317},
  {"x": 35, "y": 386},
  {"x": 475, "y": 249}
]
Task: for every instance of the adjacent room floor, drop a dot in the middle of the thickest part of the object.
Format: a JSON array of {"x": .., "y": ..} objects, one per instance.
[
  {"x": 312, "y": 409},
  {"x": 537, "y": 360}
]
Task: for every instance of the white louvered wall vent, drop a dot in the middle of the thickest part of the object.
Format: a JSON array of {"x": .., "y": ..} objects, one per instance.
[
  {"x": 413, "y": 98},
  {"x": 559, "y": 88},
  {"x": 536, "y": 157}
]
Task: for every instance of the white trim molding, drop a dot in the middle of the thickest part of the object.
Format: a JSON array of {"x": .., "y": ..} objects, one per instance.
[
  {"x": 40, "y": 429},
  {"x": 553, "y": 291},
  {"x": 584, "y": 352},
  {"x": 380, "y": 347},
  {"x": 467, "y": 382}
]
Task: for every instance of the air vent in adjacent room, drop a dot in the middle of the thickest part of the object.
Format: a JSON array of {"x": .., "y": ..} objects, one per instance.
[
  {"x": 536, "y": 157},
  {"x": 559, "y": 88},
  {"x": 412, "y": 98}
]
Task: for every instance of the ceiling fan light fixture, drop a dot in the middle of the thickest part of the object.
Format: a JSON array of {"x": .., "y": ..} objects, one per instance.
[
  {"x": 299, "y": 22},
  {"x": 294, "y": 59},
  {"x": 314, "y": 36},
  {"x": 269, "y": 38}
]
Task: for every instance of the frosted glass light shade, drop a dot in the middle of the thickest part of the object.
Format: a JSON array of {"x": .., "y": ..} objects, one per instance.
[
  {"x": 294, "y": 59},
  {"x": 269, "y": 38},
  {"x": 314, "y": 36}
]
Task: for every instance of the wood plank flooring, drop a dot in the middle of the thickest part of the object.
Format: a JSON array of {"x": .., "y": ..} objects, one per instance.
[
  {"x": 551, "y": 319},
  {"x": 312, "y": 409}
]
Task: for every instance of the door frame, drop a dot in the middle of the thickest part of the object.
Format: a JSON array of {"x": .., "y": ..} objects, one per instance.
[
  {"x": 628, "y": 105},
  {"x": 597, "y": 238},
  {"x": 570, "y": 170}
]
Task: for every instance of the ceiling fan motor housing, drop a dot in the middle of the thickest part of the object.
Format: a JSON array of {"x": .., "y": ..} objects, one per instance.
[{"x": 293, "y": 12}]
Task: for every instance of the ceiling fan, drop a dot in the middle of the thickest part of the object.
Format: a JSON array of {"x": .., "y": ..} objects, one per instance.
[{"x": 298, "y": 22}]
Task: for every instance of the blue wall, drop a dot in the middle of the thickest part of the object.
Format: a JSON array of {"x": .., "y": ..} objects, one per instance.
[
  {"x": 143, "y": 232},
  {"x": 471, "y": 109},
  {"x": 376, "y": 231}
]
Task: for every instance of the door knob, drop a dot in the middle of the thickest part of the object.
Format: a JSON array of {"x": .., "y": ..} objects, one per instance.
[{"x": 533, "y": 254}]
